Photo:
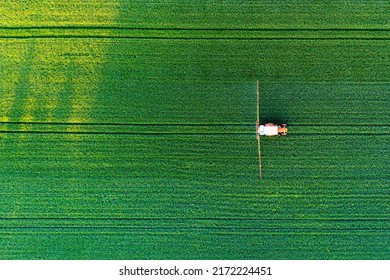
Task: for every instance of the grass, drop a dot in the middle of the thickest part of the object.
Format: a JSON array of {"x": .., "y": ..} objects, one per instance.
[{"x": 138, "y": 142}]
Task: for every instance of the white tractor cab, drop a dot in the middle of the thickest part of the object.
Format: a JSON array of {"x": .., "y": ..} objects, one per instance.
[{"x": 271, "y": 129}]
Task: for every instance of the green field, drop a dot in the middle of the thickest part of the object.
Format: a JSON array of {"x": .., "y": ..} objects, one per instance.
[{"x": 127, "y": 130}]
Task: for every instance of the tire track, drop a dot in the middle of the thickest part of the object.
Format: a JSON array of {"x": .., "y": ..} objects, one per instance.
[
  {"x": 156, "y": 33},
  {"x": 193, "y": 129}
]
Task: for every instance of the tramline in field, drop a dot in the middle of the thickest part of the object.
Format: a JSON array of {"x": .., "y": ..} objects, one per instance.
[{"x": 267, "y": 129}]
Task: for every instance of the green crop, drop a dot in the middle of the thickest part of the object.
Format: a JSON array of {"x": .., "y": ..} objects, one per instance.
[{"x": 127, "y": 130}]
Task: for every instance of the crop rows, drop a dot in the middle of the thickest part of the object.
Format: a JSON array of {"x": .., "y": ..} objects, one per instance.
[{"x": 127, "y": 131}]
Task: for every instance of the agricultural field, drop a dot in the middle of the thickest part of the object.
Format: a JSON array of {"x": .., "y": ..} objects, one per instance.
[{"x": 127, "y": 130}]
